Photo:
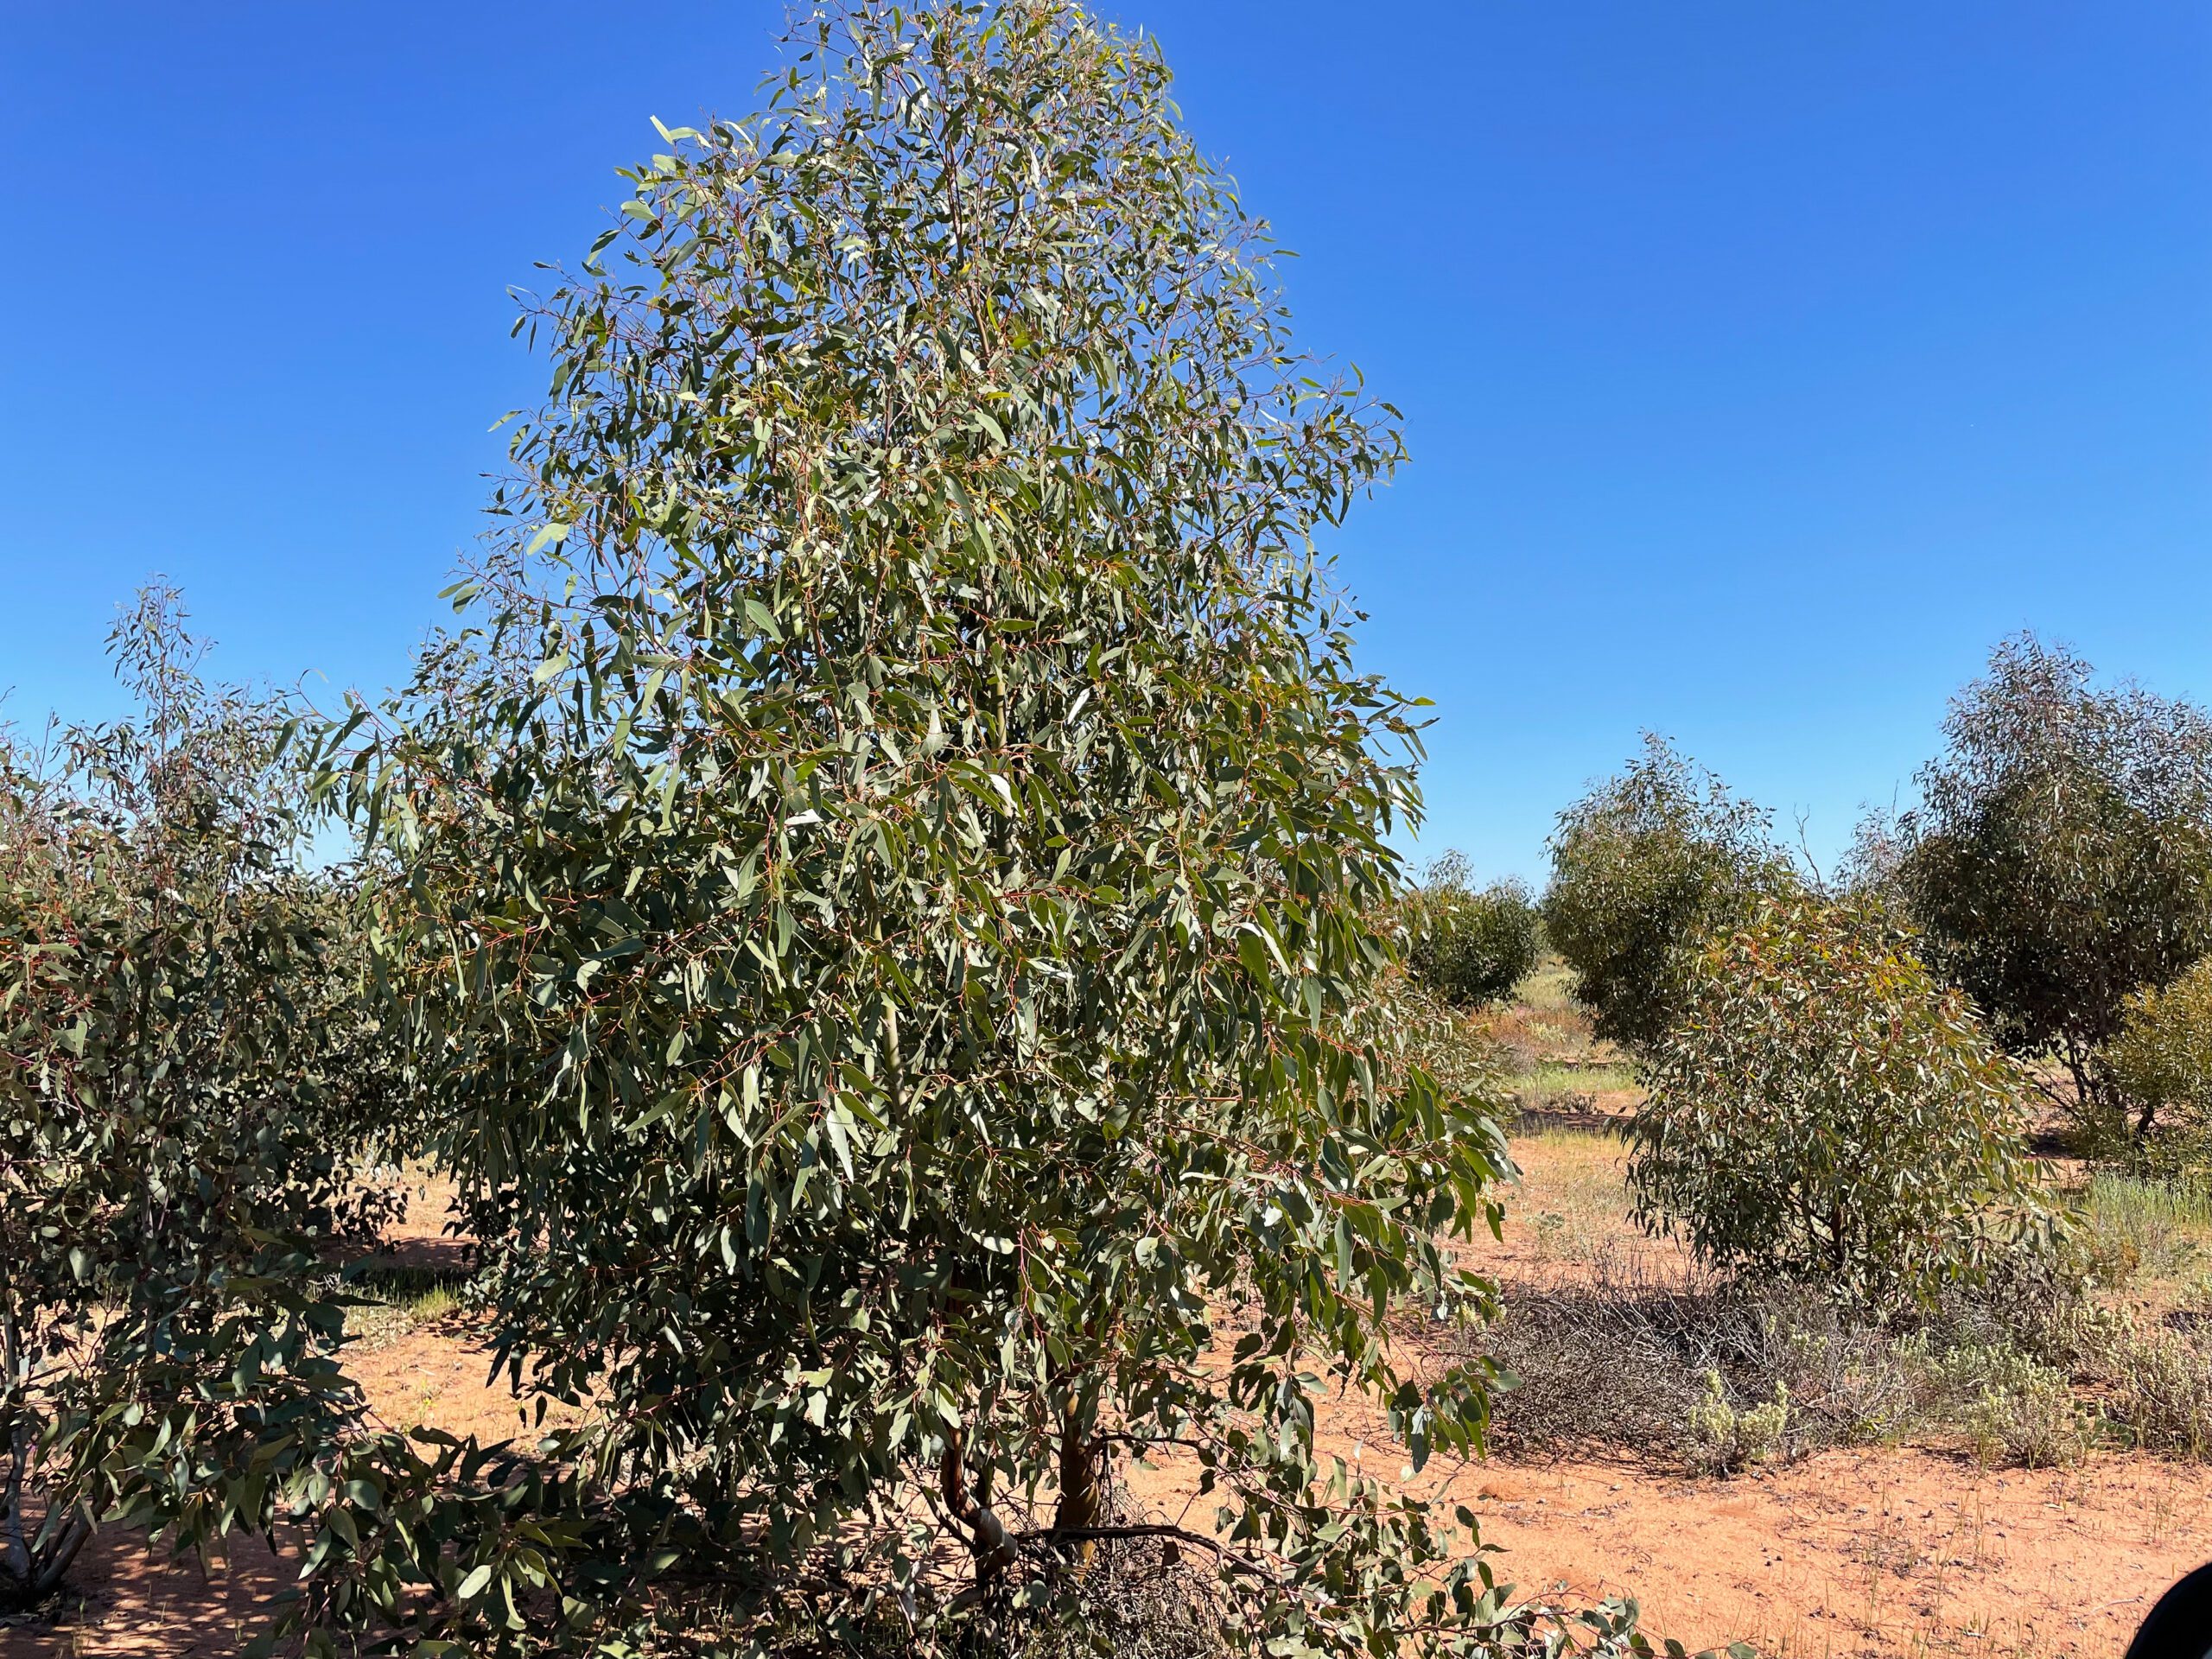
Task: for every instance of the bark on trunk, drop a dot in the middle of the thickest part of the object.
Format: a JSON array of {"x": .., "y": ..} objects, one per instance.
[
  {"x": 1081, "y": 1500},
  {"x": 15, "y": 1561},
  {"x": 987, "y": 1539}
]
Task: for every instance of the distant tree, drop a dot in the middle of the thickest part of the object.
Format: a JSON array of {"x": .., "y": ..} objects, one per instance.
[
  {"x": 2061, "y": 856},
  {"x": 898, "y": 874},
  {"x": 192, "y": 1095},
  {"x": 1644, "y": 868},
  {"x": 2160, "y": 1065},
  {"x": 1470, "y": 945},
  {"x": 1826, "y": 1111}
]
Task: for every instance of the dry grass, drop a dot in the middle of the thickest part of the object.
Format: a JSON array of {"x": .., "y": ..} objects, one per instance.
[
  {"x": 1544, "y": 1022},
  {"x": 1553, "y": 1067}
]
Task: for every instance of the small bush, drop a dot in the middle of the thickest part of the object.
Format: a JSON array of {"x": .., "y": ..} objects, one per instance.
[
  {"x": 2161, "y": 1390},
  {"x": 1724, "y": 1438},
  {"x": 1470, "y": 945},
  {"x": 2013, "y": 1408},
  {"x": 2161, "y": 1063},
  {"x": 1825, "y": 1113},
  {"x": 1644, "y": 867}
]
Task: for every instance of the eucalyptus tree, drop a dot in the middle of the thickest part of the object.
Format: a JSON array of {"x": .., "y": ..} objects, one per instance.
[
  {"x": 1470, "y": 945},
  {"x": 191, "y": 1091},
  {"x": 897, "y": 855},
  {"x": 2060, "y": 855},
  {"x": 1824, "y": 1109},
  {"x": 2161, "y": 1063},
  {"x": 1646, "y": 867}
]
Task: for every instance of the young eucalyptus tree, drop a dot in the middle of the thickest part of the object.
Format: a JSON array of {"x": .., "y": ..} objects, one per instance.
[
  {"x": 895, "y": 856},
  {"x": 2060, "y": 855},
  {"x": 189, "y": 1087},
  {"x": 1470, "y": 945},
  {"x": 1645, "y": 868},
  {"x": 1825, "y": 1110},
  {"x": 2161, "y": 1064}
]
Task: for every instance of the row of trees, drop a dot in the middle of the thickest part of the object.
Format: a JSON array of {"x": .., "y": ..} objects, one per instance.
[
  {"x": 1840, "y": 1071},
  {"x": 882, "y": 906}
]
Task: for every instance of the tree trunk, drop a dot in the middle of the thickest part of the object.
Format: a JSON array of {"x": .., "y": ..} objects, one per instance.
[
  {"x": 1082, "y": 1499},
  {"x": 60, "y": 1556},
  {"x": 987, "y": 1539},
  {"x": 17, "y": 1568}
]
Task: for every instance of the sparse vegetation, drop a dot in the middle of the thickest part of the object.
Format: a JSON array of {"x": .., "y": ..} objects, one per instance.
[
  {"x": 2150, "y": 1227},
  {"x": 1615, "y": 1351}
]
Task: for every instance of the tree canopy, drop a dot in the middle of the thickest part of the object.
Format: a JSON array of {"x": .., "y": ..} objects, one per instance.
[
  {"x": 1644, "y": 868},
  {"x": 1825, "y": 1110},
  {"x": 2061, "y": 856},
  {"x": 1470, "y": 945},
  {"x": 896, "y": 877},
  {"x": 192, "y": 1092}
]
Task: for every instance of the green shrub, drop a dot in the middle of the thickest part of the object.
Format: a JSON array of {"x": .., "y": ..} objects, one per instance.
[
  {"x": 191, "y": 1091},
  {"x": 1643, "y": 868},
  {"x": 1470, "y": 945},
  {"x": 2161, "y": 1063},
  {"x": 1825, "y": 1112}
]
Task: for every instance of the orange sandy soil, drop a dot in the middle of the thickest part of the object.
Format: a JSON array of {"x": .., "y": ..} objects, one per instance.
[{"x": 1898, "y": 1551}]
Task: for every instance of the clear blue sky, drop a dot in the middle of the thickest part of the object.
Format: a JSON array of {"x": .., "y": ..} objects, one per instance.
[{"x": 1763, "y": 364}]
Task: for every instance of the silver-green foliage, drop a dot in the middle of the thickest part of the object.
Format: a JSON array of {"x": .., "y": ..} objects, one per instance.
[
  {"x": 892, "y": 862},
  {"x": 1824, "y": 1111},
  {"x": 1724, "y": 1437}
]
